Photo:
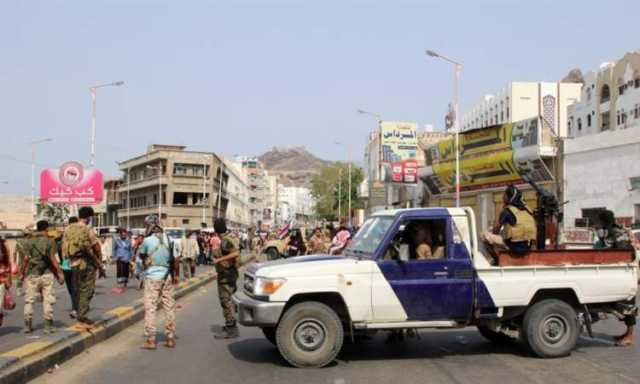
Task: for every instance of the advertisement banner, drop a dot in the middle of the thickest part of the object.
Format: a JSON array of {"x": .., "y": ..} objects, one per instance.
[
  {"x": 71, "y": 184},
  {"x": 489, "y": 158},
  {"x": 399, "y": 148}
]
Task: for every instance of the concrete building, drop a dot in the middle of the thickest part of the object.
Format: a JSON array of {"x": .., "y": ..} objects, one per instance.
[
  {"x": 601, "y": 164},
  {"x": 107, "y": 211},
  {"x": 257, "y": 185},
  {"x": 295, "y": 203},
  {"x": 520, "y": 100},
  {"x": 184, "y": 185},
  {"x": 270, "y": 200},
  {"x": 237, "y": 193}
]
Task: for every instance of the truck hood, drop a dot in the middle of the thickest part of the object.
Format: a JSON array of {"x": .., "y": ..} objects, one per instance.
[{"x": 313, "y": 265}]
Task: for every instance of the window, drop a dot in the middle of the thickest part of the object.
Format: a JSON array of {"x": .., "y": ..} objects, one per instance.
[
  {"x": 424, "y": 240},
  {"x": 588, "y": 120},
  {"x": 501, "y": 115},
  {"x": 185, "y": 221},
  {"x": 180, "y": 198},
  {"x": 579, "y": 124},
  {"x": 605, "y": 94},
  {"x": 621, "y": 90},
  {"x": 636, "y": 82},
  {"x": 604, "y": 121},
  {"x": 636, "y": 112},
  {"x": 588, "y": 94}
]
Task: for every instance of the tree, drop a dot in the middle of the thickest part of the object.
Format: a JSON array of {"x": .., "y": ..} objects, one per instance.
[{"x": 325, "y": 187}]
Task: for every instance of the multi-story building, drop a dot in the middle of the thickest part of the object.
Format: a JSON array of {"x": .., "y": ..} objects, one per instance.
[
  {"x": 183, "y": 186},
  {"x": 270, "y": 200},
  {"x": 520, "y": 100},
  {"x": 256, "y": 176},
  {"x": 107, "y": 211},
  {"x": 295, "y": 203},
  {"x": 237, "y": 193},
  {"x": 601, "y": 164}
]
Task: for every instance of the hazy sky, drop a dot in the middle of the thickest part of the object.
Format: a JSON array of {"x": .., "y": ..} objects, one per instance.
[{"x": 239, "y": 77}]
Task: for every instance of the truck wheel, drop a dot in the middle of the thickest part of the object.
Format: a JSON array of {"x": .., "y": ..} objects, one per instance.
[
  {"x": 551, "y": 328},
  {"x": 270, "y": 334},
  {"x": 493, "y": 336},
  {"x": 272, "y": 254},
  {"x": 310, "y": 334}
]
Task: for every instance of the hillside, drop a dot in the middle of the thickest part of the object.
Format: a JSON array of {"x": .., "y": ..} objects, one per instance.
[{"x": 295, "y": 165}]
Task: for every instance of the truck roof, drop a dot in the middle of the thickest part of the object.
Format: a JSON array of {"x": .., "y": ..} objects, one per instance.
[{"x": 430, "y": 210}]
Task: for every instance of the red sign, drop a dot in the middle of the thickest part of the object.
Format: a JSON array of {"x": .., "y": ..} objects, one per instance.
[
  {"x": 405, "y": 171},
  {"x": 71, "y": 184}
]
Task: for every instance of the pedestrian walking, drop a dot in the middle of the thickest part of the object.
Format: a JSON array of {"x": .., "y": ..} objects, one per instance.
[
  {"x": 6, "y": 266},
  {"x": 68, "y": 277},
  {"x": 122, "y": 254},
  {"x": 317, "y": 242},
  {"x": 162, "y": 272},
  {"x": 81, "y": 246},
  {"x": 189, "y": 254},
  {"x": 226, "y": 262},
  {"x": 40, "y": 269}
]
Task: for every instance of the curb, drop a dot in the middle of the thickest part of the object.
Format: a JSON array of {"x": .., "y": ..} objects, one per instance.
[{"x": 35, "y": 358}]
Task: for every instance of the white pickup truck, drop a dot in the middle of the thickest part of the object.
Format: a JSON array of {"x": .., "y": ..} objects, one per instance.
[{"x": 307, "y": 305}]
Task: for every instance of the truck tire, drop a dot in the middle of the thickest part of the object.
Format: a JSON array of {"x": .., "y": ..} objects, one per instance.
[
  {"x": 272, "y": 254},
  {"x": 270, "y": 334},
  {"x": 551, "y": 328},
  {"x": 495, "y": 337},
  {"x": 309, "y": 335}
]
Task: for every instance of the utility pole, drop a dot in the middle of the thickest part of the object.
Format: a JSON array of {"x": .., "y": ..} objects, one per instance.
[
  {"x": 94, "y": 92},
  {"x": 34, "y": 143}
]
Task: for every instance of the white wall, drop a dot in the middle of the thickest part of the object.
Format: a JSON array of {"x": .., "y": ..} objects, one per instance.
[{"x": 597, "y": 172}]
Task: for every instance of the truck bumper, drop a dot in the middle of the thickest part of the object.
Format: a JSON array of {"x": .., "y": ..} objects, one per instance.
[{"x": 252, "y": 312}]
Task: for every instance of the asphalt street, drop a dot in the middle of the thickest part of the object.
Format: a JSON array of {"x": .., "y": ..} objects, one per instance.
[
  {"x": 105, "y": 299},
  {"x": 460, "y": 356}
]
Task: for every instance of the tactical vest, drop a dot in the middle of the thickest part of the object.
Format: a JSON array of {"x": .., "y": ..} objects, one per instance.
[
  {"x": 39, "y": 247},
  {"x": 76, "y": 242},
  {"x": 229, "y": 244},
  {"x": 525, "y": 228}
]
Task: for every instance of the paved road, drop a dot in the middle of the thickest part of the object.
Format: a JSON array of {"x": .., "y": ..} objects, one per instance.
[
  {"x": 104, "y": 300},
  {"x": 438, "y": 357}
]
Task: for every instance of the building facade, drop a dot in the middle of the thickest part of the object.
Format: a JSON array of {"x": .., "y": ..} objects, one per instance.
[
  {"x": 237, "y": 193},
  {"x": 295, "y": 203},
  {"x": 520, "y": 100},
  {"x": 187, "y": 188},
  {"x": 601, "y": 156}
]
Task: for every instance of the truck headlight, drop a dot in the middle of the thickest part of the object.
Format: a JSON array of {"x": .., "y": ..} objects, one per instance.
[{"x": 266, "y": 286}]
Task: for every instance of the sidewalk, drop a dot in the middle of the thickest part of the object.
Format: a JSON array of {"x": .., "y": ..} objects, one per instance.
[{"x": 104, "y": 300}]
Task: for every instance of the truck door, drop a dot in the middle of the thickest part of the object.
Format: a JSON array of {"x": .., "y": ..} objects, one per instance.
[{"x": 436, "y": 283}]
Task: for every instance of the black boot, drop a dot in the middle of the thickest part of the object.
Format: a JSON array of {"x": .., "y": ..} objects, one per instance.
[{"x": 229, "y": 331}]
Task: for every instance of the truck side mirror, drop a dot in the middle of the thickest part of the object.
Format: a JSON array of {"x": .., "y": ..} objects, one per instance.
[{"x": 404, "y": 253}]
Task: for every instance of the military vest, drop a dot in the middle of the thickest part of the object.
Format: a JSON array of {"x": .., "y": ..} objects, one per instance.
[
  {"x": 76, "y": 242},
  {"x": 38, "y": 248},
  {"x": 525, "y": 228},
  {"x": 230, "y": 243}
]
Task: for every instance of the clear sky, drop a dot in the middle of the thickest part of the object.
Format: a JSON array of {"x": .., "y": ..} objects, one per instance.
[{"x": 239, "y": 77}]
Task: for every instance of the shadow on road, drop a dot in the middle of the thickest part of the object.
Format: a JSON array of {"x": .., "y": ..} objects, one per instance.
[{"x": 256, "y": 351}]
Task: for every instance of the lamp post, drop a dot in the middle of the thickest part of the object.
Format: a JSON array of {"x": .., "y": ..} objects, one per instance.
[
  {"x": 94, "y": 90},
  {"x": 204, "y": 188},
  {"x": 34, "y": 143},
  {"x": 159, "y": 169},
  {"x": 220, "y": 188},
  {"x": 379, "y": 165},
  {"x": 339, "y": 195},
  {"x": 349, "y": 172},
  {"x": 457, "y": 68}
]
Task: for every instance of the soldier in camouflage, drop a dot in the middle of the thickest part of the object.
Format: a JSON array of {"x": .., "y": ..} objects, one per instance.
[
  {"x": 226, "y": 262},
  {"x": 39, "y": 267},
  {"x": 81, "y": 246},
  {"x": 19, "y": 257}
]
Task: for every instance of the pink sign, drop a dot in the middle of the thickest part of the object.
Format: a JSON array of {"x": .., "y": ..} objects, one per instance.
[{"x": 71, "y": 184}]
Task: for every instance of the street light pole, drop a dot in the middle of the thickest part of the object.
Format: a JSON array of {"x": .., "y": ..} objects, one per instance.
[
  {"x": 220, "y": 189},
  {"x": 94, "y": 91},
  {"x": 457, "y": 68},
  {"x": 348, "y": 148},
  {"x": 339, "y": 195},
  {"x": 33, "y": 173},
  {"x": 204, "y": 189}
]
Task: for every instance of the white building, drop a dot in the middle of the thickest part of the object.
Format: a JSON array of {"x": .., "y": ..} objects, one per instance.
[
  {"x": 238, "y": 211},
  {"x": 520, "y": 100},
  {"x": 295, "y": 203},
  {"x": 602, "y": 160}
]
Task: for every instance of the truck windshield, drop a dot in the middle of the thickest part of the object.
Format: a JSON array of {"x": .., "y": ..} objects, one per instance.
[{"x": 370, "y": 235}]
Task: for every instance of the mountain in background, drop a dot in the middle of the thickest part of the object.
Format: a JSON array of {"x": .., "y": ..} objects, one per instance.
[{"x": 295, "y": 166}]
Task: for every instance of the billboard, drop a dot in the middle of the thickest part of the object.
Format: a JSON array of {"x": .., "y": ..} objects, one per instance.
[
  {"x": 398, "y": 152},
  {"x": 489, "y": 157},
  {"x": 71, "y": 184}
]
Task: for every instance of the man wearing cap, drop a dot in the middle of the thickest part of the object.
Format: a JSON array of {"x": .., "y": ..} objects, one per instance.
[
  {"x": 161, "y": 273},
  {"x": 226, "y": 262}
]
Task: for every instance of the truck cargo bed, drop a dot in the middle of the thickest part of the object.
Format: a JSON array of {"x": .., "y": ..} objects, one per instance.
[{"x": 567, "y": 257}]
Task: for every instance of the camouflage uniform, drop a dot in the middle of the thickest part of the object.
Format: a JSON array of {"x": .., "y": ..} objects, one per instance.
[
  {"x": 77, "y": 245},
  {"x": 227, "y": 277},
  {"x": 19, "y": 257},
  {"x": 39, "y": 277}
]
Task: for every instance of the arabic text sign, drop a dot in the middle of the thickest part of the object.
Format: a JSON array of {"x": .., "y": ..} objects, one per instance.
[
  {"x": 399, "y": 144},
  {"x": 71, "y": 184}
]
